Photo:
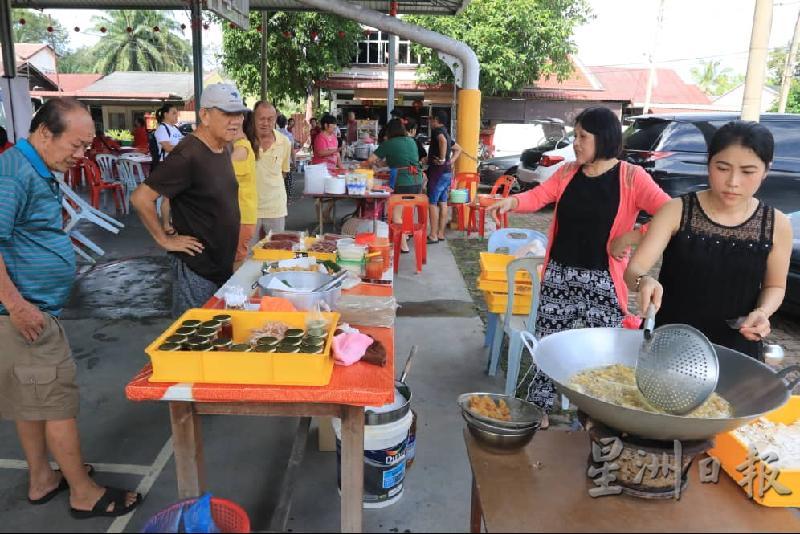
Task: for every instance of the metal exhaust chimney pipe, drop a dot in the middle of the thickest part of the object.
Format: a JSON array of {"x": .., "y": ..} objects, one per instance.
[{"x": 469, "y": 96}]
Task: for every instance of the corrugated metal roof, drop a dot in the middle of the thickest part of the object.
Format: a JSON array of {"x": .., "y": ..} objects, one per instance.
[
  {"x": 416, "y": 7},
  {"x": 127, "y": 82}
]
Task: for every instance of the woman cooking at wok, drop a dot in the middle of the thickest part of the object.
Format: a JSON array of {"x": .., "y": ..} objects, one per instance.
[{"x": 725, "y": 253}]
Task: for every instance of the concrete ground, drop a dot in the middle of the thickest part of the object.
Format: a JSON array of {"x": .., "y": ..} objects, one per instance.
[{"x": 121, "y": 304}]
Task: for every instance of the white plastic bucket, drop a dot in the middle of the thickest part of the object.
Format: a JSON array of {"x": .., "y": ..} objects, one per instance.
[
  {"x": 384, "y": 460},
  {"x": 315, "y": 178}
]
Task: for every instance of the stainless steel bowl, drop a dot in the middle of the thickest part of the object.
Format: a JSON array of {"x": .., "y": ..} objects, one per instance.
[
  {"x": 304, "y": 282},
  {"x": 497, "y": 429},
  {"x": 523, "y": 414},
  {"x": 501, "y": 443}
]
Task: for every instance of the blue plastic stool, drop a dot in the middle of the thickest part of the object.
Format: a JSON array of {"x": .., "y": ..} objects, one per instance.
[{"x": 514, "y": 238}]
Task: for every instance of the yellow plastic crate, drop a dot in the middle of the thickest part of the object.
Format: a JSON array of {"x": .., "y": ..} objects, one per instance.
[
  {"x": 263, "y": 254},
  {"x": 731, "y": 452},
  {"x": 501, "y": 286},
  {"x": 245, "y": 367},
  {"x": 497, "y": 302}
]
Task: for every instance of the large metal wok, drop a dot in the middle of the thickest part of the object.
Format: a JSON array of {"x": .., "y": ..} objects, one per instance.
[{"x": 751, "y": 387}]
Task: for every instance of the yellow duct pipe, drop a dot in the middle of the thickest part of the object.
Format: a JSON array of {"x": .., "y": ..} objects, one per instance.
[{"x": 468, "y": 116}]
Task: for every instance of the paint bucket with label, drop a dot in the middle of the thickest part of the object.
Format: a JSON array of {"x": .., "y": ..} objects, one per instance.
[{"x": 384, "y": 460}]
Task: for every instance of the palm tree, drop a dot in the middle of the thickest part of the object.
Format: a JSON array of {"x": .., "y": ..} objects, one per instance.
[
  {"x": 714, "y": 80},
  {"x": 142, "y": 48}
]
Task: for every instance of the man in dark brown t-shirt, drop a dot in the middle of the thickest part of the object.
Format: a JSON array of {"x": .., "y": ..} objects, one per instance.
[{"x": 199, "y": 181}]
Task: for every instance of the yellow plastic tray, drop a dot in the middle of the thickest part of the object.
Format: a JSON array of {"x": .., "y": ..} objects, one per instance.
[
  {"x": 501, "y": 286},
  {"x": 262, "y": 254},
  {"x": 497, "y": 302},
  {"x": 493, "y": 267},
  {"x": 732, "y": 452},
  {"x": 247, "y": 367}
]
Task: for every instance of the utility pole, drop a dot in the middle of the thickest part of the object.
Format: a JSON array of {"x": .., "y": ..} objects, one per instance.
[
  {"x": 788, "y": 67},
  {"x": 651, "y": 76},
  {"x": 757, "y": 61},
  {"x": 264, "y": 54}
]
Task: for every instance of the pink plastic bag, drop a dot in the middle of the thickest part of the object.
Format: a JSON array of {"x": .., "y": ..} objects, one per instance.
[{"x": 348, "y": 348}]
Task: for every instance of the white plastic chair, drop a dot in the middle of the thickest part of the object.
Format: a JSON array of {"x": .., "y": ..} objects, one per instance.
[
  {"x": 78, "y": 209},
  {"x": 134, "y": 167},
  {"x": 106, "y": 162},
  {"x": 514, "y": 324},
  {"x": 128, "y": 176}
]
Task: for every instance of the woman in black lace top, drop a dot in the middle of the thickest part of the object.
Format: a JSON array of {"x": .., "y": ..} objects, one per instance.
[{"x": 725, "y": 253}]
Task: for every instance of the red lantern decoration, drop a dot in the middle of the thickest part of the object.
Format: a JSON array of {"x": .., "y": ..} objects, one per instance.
[
  {"x": 259, "y": 29},
  {"x": 232, "y": 25},
  {"x": 156, "y": 29},
  {"x": 50, "y": 29},
  {"x": 129, "y": 29},
  {"x": 77, "y": 29},
  {"x": 341, "y": 34},
  {"x": 22, "y": 22},
  {"x": 103, "y": 29},
  {"x": 287, "y": 34},
  {"x": 314, "y": 36}
]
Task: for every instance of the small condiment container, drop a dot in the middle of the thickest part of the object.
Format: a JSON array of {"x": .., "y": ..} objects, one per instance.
[
  {"x": 316, "y": 332},
  {"x": 193, "y": 341},
  {"x": 264, "y": 348},
  {"x": 374, "y": 269},
  {"x": 201, "y": 346},
  {"x": 177, "y": 339},
  {"x": 207, "y": 333},
  {"x": 206, "y": 348},
  {"x": 294, "y": 333},
  {"x": 186, "y": 331},
  {"x": 267, "y": 341},
  {"x": 222, "y": 344},
  {"x": 169, "y": 347},
  {"x": 289, "y": 350},
  {"x": 241, "y": 347},
  {"x": 212, "y": 323},
  {"x": 226, "y": 325},
  {"x": 292, "y": 341},
  {"x": 314, "y": 342},
  {"x": 317, "y": 326},
  {"x": 191, "y": 323}
]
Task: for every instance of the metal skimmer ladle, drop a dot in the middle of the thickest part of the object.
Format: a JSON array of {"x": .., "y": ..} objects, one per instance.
[{"x": 677, "y": 368}]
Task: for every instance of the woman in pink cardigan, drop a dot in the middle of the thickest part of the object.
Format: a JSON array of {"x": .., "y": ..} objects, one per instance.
[{"x": 597, "y": 198}]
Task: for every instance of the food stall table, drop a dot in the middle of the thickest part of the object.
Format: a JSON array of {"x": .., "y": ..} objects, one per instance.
[
  {"x": 322, "y": 197},
  {"x": 350, "y": 389},
  {"x": 543, "y": 487}
]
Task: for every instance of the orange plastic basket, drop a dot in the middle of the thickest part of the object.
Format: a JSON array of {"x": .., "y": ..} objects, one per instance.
[
  {"x": 732, "y": 452},
  {"x": 228, "y": 516}
]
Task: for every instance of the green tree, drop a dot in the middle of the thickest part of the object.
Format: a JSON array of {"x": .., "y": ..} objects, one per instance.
[
  {"x": 82, "y": 59},
  {"x": 775, "y": 64},
  {"x": 516, "y": 41},
  {"x": 35, "y": 30},
  {"x": 715, "y": 80},
  {"x": 141, "y": 49},
  {"x": 302, "y": 48}
]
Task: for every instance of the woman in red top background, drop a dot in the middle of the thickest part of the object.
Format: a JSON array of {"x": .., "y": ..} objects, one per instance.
[
  {"x": 4, "y": 143},
  {"x": 140, "y": 134}
]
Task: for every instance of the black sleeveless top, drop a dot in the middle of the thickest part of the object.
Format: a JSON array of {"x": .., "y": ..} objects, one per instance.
[
  {"x": 586, "y": 213},
  {"x": 712, "y": 273}
]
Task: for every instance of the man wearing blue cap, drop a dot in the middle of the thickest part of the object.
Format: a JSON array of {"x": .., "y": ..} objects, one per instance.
[{"x": 199, "y": 180}]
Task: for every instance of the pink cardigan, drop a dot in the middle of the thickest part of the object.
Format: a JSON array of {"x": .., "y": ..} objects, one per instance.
[{"x": 637, "y": 191}]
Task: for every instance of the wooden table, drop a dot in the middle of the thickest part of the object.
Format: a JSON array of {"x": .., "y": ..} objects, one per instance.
[
  {"x": 351, "y": 388},
  {"x": 516, "y": 493}
]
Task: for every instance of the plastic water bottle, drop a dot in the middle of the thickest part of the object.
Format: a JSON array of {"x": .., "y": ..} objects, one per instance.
[{"x": 489, "y": 226}]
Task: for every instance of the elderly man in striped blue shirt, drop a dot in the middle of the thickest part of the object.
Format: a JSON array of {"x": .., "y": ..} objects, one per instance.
[{"x": 37, "y": 267}]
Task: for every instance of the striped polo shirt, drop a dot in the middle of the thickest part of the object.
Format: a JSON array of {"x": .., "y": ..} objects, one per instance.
[{"x": 37, "y": 253}]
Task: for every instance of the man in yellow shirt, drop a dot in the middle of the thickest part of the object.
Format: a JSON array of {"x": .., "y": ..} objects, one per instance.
[{"x": 273, "y": 159}]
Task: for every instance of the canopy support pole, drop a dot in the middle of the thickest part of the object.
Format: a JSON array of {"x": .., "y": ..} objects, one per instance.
[{"x": 197, "y": 54}]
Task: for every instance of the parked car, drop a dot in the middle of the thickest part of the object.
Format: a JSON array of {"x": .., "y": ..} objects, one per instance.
[
  {"x": 540, "y": 163},
  {"x": 673, "y": 148},
  {"x": 791, "y": 302},
  {"x": 511, "y": 139},
  {"x": 186, "y": 127}
]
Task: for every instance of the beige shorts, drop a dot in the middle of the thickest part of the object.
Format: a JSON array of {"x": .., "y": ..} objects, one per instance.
[{"x": 37, "y": 380}]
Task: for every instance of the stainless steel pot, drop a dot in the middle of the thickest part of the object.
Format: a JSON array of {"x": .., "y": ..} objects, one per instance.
[
  {"x": 751, "y": 387},
  {"x": 362, "y": 152},
  {"x": 372, "y": 417},
  {"x": 305, "y": 282}
]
